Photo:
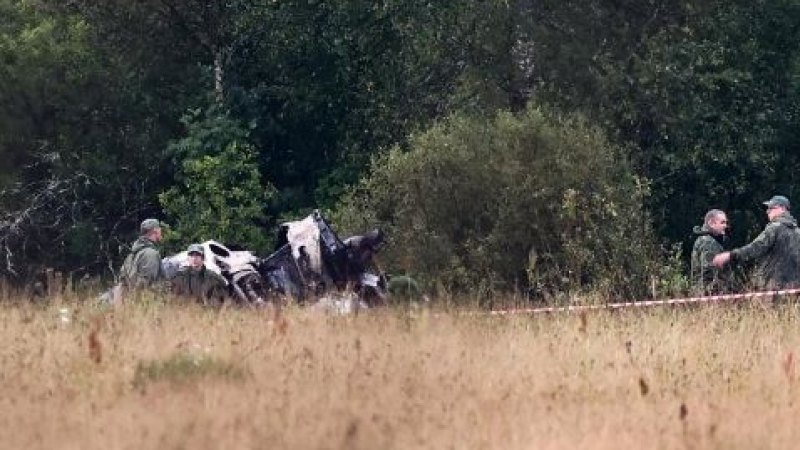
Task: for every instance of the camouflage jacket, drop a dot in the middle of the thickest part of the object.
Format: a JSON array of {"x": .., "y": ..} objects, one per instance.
[
  {"x": 142, "y": 268},
  {"x": 776, "y": 252},
  {"x": 202, "y": 285},
  {"x": 705, "y": 277}
]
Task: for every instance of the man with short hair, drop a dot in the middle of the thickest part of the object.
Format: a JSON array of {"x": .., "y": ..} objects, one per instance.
[
  {"x": 706, "y": 278},
  {"x": 776, "y": 249},
  {"x": 142, "y": 267},
  {"x": 195, "y": 281}
]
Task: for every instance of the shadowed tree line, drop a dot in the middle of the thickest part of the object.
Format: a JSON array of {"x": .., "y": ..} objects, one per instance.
[{"x": 225, "y": 118}]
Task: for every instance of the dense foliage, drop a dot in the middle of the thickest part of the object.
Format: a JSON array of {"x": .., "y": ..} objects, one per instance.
[
  {"x": 218, "y": 192},
  {"x": 520, "y": 200},
  {"x": 112, "y": 111}
]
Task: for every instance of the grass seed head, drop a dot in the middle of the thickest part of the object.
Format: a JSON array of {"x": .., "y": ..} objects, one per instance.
[
  {"x": 643, "y": 387},
  {"x": 788, "y": 366},
  {"x": 95, "y": 347}
]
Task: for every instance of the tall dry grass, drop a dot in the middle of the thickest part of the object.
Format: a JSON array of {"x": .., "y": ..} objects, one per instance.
[{"x": 189, "y": 378}]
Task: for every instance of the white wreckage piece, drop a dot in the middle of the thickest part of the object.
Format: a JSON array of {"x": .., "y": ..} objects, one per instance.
[
  {"x": 307, "y": 267},
  {"x": 303, "y": 236},
  {"x": 323, "y": 260}
]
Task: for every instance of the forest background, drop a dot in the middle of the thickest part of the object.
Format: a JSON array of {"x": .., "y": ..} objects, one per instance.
[{"x": 529, "y": 145}]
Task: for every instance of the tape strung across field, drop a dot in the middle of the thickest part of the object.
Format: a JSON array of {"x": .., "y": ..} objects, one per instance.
[{"x": 645, "y": 303}]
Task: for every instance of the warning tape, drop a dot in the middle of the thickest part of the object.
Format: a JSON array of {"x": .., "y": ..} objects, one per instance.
[{"x": 644, "y": 303}]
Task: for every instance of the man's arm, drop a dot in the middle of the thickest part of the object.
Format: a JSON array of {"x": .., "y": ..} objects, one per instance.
[
  {"x": 759, "y": 247},
  {"x": 753, "y": 250}
]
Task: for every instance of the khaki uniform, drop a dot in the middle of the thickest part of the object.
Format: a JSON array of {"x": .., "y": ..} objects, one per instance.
[
  {"x": 142, "y": 267},
  {"x": 201, "y": 285}
]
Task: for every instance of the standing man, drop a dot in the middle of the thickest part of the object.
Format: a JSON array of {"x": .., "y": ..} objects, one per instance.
[
  {"x": 705, "y": 276},
  {"x": 196, "y": 282},
  {"x": 777, "y": 249},
  {"x": 142, "y": 267}
]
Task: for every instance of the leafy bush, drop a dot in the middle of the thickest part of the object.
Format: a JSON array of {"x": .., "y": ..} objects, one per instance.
[{"x": 535, "y": 201}]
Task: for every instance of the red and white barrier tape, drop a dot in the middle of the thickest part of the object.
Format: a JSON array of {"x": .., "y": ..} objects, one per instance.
[{"x": 639, "y": 304}]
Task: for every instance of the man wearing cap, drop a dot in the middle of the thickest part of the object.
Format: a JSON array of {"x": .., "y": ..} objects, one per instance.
[
  {"x": 776, "y": 249},
  {"x": 142, "y": 267},
  {"x": 195, "y": 281},
  {"x": 705, "y": 276}
]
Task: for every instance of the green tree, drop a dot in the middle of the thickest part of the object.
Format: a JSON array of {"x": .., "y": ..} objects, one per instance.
[
  {"x": 712, "y": 99},
  {"x": 74, "y": 144},
  {"x": 702, "y": 92},
  {"x": 219, "y": 193}
]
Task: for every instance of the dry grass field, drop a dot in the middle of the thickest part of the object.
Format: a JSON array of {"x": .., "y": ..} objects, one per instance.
[{"x": 171, "y": 377}]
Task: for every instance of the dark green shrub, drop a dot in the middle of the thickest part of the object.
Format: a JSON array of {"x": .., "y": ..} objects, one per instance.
[{"x": 534, "y": 201}]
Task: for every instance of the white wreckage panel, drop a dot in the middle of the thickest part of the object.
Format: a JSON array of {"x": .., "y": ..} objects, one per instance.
[{"x": 303, "y": 236}]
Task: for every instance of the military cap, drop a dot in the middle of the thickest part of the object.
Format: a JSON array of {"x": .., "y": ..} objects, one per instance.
[
  {"x": 149, "y": 225},
  {"x": 778, "y": 200},
  {"x": 195, "y": 248}
]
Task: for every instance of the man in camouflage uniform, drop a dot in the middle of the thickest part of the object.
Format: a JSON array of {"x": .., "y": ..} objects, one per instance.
[
  {"x": 142, "y": 267},
  {"x": 706, "y": 278},
  {"x": 776, "y": 249},
  {"x": 196, "y": 282}
]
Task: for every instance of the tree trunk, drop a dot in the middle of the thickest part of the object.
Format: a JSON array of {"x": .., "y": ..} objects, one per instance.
[{"x": 218, "y": 74}]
